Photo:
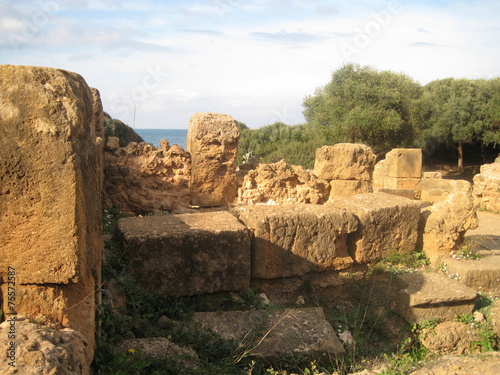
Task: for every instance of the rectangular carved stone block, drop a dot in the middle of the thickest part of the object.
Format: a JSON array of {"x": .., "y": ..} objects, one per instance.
[
  {"x": 405, "y": 162},
  {"x": 293, "y": 240},
  {"x": 187, "y": 254},
  {"x": 344, "y": 161},
  {"x": 386, "y": 223},
  {"x": 51, "y": 175},
  {"x": 427, "y": 296}
]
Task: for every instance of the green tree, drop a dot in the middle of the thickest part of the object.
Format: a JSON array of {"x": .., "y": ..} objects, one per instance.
[
  {"x": 490, "y": 108},
  {"x": 361, "y": 104},
  {"x": 458, "y": 112}
]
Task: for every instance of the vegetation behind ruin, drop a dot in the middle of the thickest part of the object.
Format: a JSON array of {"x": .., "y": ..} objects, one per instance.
[{"x": 385, "y": 110}]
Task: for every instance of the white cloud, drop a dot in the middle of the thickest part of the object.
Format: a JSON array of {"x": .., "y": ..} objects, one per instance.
[{"x": 255, "y": 60}]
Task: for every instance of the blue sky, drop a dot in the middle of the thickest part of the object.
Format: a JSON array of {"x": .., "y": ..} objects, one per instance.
[{"x": 255, "y": 60}]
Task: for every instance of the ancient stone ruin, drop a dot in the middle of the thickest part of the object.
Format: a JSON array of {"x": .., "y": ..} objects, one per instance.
[{"x": 197, "y": 225}]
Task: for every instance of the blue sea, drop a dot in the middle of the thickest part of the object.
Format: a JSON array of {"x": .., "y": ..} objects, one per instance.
[{"x": 173, "y": 136}]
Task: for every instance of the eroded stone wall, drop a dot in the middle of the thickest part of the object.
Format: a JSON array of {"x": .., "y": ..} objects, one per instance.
[
  {"x": 140, "y": 178},
  {"x": 280, "y": 183}
]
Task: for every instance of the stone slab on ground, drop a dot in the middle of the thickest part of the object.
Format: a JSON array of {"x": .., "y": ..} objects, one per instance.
[
  {"x": 293, "y": 240},
  {"x": 386, "y": 223},
  {"x": 187, "y": 254},
  {"x": 426, "y": 296},
  {"x": 480, "y": 274},
  {"x": 272, "y": 334}
]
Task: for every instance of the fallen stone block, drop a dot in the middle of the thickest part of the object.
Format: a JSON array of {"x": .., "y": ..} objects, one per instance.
[
  {"x": 293, "y": 240},
  {"x": 344, "y": 161},
  {"x": 187, "y": 254},
  {"x": 386, "y": 223},
  {"x": 481, "y": 274},
  {"x": 212, "y": 141},
  {"x": 427, "y": 296},
  {"x": 271, "y": 335}
]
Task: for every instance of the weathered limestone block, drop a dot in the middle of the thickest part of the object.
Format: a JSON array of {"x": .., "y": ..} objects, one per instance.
[
  {"x": 282, "y": 184},
  {"x": 386, "y": 223},
  {"x": 437, "y": 189},
  {"x": 212, "y": 141},
  {"x": 480, "y": 274},
  {"x": 401, "y": 169},
  {"x": 404, "y": 162},
  {"x": 487, "y": 187},
  {"x": 443, "y": 225},
  {"x": 143, "y": 179},
  {"x": 344, "y": 161},
  {"x": 273, "y": 334},
  {"x": 187, "y": 254},
  {"x": 427, "y": 296},
  {"x": 42, "y": 350},
  {"x": 50, "y": 195},
  {"x": 293, "y": 240},
  {"x": 347, "y": 188}
]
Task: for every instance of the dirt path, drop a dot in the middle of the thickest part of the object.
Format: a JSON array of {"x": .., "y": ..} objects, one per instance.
[{"x": 488, "y": 232}]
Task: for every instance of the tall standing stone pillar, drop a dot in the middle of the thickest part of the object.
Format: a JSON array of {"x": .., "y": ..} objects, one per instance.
[
  {"x": 212, "y": 142},
  {"x": 51, "y": 172}
]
